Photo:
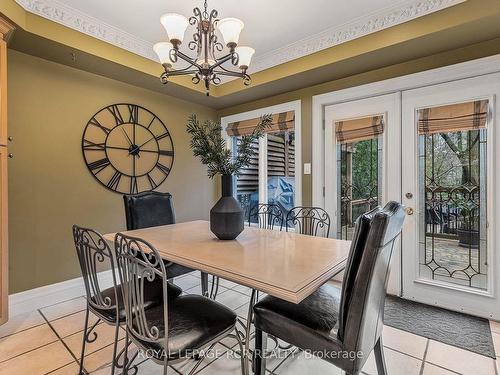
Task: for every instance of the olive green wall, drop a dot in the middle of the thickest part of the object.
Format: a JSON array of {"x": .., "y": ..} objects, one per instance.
[
  {"x": 50, "y": 188},
  {"x": 471, "y": 52}
]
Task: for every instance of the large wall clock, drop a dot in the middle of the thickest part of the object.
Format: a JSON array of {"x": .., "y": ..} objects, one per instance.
[{"x": 127, "y": 148}]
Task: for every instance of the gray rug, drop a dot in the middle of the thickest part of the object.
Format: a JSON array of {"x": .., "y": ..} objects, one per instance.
[{"x": 450, "y": 327}]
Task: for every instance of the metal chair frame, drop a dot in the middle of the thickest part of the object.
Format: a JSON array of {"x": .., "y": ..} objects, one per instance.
[
  {"x": 268, "y": 215},
  {"x": 308, "y": 220}
]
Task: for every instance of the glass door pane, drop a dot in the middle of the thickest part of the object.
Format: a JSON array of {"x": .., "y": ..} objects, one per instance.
[
  {"x": 359, "y": 172},
  {"x": 452, "y": 220}
]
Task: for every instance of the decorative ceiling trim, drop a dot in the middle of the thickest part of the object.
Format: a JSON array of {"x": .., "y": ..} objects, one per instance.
[{"x": 56, "y": 11}]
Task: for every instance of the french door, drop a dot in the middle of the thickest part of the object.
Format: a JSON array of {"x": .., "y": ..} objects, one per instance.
[
  {"x": 450, "y": 174},
  {"x": 363, "y": 170}
]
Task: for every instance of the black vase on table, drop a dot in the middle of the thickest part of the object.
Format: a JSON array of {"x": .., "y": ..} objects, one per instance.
[{"x": 226, "y": 217}]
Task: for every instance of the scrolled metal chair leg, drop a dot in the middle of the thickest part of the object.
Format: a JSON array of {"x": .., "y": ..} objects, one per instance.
[{"x": 84, "y": 341}]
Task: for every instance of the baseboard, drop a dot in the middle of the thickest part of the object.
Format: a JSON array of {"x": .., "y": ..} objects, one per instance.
[{"x": 37, "y": 298}]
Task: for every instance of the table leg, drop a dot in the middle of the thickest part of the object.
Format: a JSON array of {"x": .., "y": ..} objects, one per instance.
[{"x": 247, "y": 331}]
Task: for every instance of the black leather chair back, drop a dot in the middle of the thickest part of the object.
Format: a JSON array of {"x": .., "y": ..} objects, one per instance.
[
  {"x": 94, "y": 255},
  {"x": 362, "y": 305},
  {"x": 148, "y": 209}
]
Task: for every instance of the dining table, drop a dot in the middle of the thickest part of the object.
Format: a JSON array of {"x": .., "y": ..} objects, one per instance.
[{"x": 283, "y": 264}]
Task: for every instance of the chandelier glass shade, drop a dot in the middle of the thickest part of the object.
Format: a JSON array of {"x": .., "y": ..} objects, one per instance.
[{"x": 207, "y": 65}]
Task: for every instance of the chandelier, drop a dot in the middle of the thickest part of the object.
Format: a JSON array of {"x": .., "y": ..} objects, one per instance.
[{"x": 207, "y": 66}]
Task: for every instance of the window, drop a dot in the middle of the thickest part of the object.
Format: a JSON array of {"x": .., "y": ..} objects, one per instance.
[{"x": 270, "y": 177}]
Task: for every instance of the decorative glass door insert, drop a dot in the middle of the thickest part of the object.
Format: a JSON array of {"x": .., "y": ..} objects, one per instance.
[{"x": 452, "y": 187}]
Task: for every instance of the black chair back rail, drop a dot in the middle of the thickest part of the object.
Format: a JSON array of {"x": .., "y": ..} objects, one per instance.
[
  {"x": 313, "y": 221},
  {"x": 268, "y": 216}
]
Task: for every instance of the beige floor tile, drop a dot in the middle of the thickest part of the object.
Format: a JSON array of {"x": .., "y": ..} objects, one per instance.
[
  {"x": 242, "y": 311},
  {"x": 22, "y": 342},
  {"x": 243, "y": 289},
  {"x": 496, "y": 342},
  {"x": 405, "y": 342},
  {"x": 105, "y": 337},
  {"x": 397, "y": 363},
  {"x": 64, "y": 308},
  {"x": 232, "y": 299},
  {"x": 21, "y": 322},
  {"x": 71, "y": 369},
  {"x": 303, "y": 364},
  {"x": 40, "y": 361},
  {"x": 187, "y": 282},
  {"x": 101, "y": 358},
  {"x": 459, "y": 360},
  {"x": 227, "y": 284},
  {"x": 430, "y": 369},
  {"x": 72, "y": 323},
  {"x": 495, "y": 326}
]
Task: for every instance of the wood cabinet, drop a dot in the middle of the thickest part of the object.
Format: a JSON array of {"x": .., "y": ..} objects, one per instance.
[{"x": 5, "y": 30}]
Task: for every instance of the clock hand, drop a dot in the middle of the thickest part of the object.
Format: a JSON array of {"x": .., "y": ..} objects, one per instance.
[{"x": 128, "y": 138}]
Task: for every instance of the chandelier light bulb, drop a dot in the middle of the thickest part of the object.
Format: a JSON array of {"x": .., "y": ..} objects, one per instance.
[
  {"x": 230, "y": 28},
  {"x": 162, "y": 49},
  {"x": 175, "y": 25},
  {"x": 244, "y": 56}
]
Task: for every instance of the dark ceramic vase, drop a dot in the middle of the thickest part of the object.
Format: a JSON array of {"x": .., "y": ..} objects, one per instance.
[{"x": 226, "y": 217}]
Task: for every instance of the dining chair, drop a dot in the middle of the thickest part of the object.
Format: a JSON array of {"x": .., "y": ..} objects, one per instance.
[
  {"x": 267, "y": 216},
  {"x": 93, "y": 254},
  {"x": 185, "y": 327},
  {"x": 313, "y": 221},
  {"x": 151, "y": 209},
  {"x": 341, "y": 325}
]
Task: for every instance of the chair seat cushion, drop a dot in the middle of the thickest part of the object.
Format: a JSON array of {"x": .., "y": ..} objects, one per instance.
[
  {"x": 310, "y": 325},
  {"x": 152, "y": 297},
  {"x": 193, "y": 322}
]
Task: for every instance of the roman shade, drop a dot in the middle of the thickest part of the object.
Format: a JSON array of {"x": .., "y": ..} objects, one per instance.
[
  {"x": 281, "y": 122},
  {"x": 347, "y": 131},
  {"x": 453, "y": 117}
]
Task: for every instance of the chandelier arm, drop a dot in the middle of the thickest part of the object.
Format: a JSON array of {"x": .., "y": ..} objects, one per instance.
[
  {"x": 221, "y": 61},
  {"x": 173, "y": 73},
  {"x": 188, "y": 59},
  {"x": 247, "y": 80}
]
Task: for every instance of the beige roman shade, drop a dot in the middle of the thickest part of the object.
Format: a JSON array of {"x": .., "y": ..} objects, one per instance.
[
  {"x": 453, "y": 117},
  {"x": 359, "y": 129},
  {"x": 281, "y": 121}
]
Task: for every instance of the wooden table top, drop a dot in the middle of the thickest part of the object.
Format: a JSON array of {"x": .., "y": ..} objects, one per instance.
[{"x": 286, "y": 265}]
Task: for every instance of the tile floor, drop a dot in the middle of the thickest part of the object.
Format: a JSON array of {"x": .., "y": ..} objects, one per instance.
[{"x": 48, "y": 341}]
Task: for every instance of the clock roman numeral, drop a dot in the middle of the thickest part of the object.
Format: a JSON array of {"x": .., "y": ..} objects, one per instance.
[
  {"x": 152, "y": 182},
  {"x": 166, "y": 153},
  {"x": 133, "y": 113},
  {"x": 115, "y": 111},
  {"x": 96, "y": 123},
  {"x": 98, "y": 165},
  {"x": 91, "y": 146},
  {"x": 114, "y": 181},
  {"x": 161, "y": 136},
  {"x": 164, "y": 169},
  {"x": 133, "y": 185}
]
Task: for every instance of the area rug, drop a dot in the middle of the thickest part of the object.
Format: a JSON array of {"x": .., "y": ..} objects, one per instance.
[{"x": 449, "y": 327}]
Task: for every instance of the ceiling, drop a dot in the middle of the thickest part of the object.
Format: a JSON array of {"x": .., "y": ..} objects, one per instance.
[{"x": 279, "y": 30}]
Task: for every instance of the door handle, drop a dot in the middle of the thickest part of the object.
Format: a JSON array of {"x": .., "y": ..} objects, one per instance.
[{"x": 409, "y": 210}]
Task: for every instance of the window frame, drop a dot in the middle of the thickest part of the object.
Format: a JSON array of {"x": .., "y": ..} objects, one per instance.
[{"x": 283, "y": 107}]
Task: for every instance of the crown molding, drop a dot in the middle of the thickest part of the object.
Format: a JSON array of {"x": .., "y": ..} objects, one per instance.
[{"x": 405, "y": 11}]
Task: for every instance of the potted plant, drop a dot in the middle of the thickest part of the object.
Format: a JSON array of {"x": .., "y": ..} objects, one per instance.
[{"x": 207, "y": 143}]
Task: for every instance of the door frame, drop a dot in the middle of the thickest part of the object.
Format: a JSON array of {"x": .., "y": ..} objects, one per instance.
[
  {"x": 391, "y": 171},
  {"x": 455, "y": 72},
  {"x": 448, "y": 295}
]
